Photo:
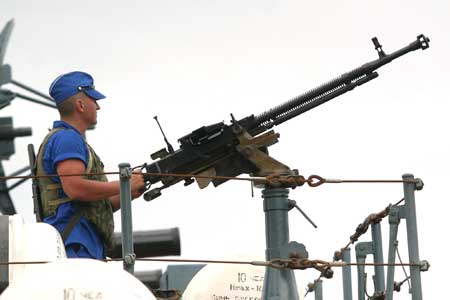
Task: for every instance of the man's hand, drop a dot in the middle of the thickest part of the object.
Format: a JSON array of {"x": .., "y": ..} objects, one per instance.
[{"x": 137, "y": 184}]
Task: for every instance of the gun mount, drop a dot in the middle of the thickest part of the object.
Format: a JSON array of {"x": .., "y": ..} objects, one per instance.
[{"x": 241, "y": 147}]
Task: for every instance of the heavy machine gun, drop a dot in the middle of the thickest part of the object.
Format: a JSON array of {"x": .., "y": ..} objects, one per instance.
[{"x": 241, "y": 147}]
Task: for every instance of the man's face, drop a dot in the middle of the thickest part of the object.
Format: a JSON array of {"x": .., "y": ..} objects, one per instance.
[{"x": 90, "y": 110}]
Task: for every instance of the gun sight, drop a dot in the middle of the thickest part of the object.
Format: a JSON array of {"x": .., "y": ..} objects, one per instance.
[{"x": 169, "y": 146}]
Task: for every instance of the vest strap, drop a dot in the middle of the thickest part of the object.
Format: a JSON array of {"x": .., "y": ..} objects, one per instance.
[
  {"x": 72, "y": 222},
  {"x": 90, "y": 160},
  {"x": 59, "y": 201},
  {"x": 53, "y": 186}
]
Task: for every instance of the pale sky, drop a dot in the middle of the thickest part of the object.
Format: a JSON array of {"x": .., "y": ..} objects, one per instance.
[{"x": 193, "y": 63}]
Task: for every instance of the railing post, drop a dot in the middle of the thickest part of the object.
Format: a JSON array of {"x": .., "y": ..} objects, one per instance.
[
  {"x": 378, "y": 258},
  {"x": 394, "y": 221},
  {"x": 127, "y": 227},
  {"x": 318, "y": 295},
  {"x": 362, "y": 249},
  {"x": 409, "y": 186},
  {"x": 278, "y": 284},
  {"x": 347, "y": 275}
]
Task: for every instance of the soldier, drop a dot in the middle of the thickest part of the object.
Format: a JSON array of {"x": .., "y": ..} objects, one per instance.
[{"x": 80, "y": 208}]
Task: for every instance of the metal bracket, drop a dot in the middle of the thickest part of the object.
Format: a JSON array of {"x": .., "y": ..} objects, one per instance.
[
  {"x": 125, "y": 173},
  {"x": 395, "y": 215},
  {"x": 424, "y": 265},
  {"x": 293, "y": 249},
  {"x": 419, "y": 184},
  {"x": 362, "y": 249},
  {"x": 129, "y": 259}
]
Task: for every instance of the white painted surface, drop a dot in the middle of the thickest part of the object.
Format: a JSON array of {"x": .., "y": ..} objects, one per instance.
[
  {"x": 230, "y": 282},
  {"x": 76, "y": 279},
  {"x": 31, "y": 242}
]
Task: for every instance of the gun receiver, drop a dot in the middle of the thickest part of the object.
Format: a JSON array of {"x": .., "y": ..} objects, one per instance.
[{"x": 241, "y": 147}]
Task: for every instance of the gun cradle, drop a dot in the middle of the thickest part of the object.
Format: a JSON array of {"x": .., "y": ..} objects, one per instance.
[
  {"x": 250, "y": 147},
  {"x": 253, "y": 151}
]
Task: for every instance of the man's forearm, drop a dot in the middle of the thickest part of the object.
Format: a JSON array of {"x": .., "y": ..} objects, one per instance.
[
  {"x": 115, "y": 202},
  {"x": 91, "y": 190}
]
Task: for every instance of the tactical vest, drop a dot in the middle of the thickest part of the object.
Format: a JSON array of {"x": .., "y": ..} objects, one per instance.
[{"x": 99, "y": 213}]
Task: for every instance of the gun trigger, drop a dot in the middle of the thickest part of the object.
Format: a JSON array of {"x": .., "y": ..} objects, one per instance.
[{"x": 204, "y": 182}]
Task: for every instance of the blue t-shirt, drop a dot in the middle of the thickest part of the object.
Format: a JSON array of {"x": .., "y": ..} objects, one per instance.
[{"x": 69, "y": 144}]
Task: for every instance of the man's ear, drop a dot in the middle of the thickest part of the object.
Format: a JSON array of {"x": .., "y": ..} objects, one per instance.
[{"x": 79, "y": 104}]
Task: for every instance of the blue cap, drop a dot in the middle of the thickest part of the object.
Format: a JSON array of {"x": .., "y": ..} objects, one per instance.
[{"x": 72, "y": 83}]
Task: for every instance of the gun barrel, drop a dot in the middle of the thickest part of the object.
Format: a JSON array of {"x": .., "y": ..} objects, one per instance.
[
  {"x": 150, "y": 243},
  {"x": 8, "y": 133},
  {"x": 331, "y": 89}
]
